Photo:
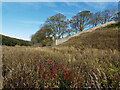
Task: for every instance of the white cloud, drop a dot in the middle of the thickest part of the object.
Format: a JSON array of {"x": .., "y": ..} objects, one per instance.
[
  {"x": 100, "y": 5},
  {"x": 51, "y": 4},
  {"x": 57, "y": 11},
  {"x": 32, "y": 5},
  {"x": 32, "y": 22},
  {"x": 63, "y": 12},
  {"x": 70, "y": 13},
  {"x": 73, "y": 4},
  {"x": 38, "y": 5},
  {"x": 60, "y": 0}
]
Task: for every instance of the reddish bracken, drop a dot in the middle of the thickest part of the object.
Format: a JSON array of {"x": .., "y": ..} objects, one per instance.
[{"x": 55, "y": 73}]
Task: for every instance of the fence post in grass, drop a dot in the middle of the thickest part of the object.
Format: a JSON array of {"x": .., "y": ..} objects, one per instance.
[{"x": 55, "y": 42}]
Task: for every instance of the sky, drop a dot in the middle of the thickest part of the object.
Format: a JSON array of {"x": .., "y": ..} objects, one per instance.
[{"x": 23, "y": 19}]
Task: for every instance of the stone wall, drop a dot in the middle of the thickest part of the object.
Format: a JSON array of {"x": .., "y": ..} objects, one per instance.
[{"x": 60, "y": 41}]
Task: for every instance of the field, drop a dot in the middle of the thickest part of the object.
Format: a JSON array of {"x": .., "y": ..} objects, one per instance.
[{"x": 89, "y": 60}]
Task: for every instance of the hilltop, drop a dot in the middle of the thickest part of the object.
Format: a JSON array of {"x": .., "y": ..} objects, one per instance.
[{"x": 9, "y": 41}]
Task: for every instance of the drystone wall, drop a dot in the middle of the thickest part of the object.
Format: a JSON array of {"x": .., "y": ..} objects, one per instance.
[{"x": 60, "y": 41}]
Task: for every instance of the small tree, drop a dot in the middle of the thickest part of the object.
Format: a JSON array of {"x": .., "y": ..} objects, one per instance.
[
  {"x": 57, "y": 24},
  {"x": 42, "y": 36}
]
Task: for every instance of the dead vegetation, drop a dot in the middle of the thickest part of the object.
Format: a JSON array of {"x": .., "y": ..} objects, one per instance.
[{"x": 93, "y": 57}]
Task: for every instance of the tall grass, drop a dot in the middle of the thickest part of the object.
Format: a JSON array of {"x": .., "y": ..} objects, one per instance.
[{"x": 90, "y": 60}]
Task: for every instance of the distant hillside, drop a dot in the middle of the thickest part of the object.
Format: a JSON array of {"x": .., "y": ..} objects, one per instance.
[
  {"x": 9, "y": 41},
  {"x": 103, "y": 38}
]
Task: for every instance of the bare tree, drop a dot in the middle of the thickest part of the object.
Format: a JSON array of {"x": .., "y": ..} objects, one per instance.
[
  {"x": 80, "y": 21},
  {"x": 107, "y": 15},
  {"x": 95, "y": 19}
]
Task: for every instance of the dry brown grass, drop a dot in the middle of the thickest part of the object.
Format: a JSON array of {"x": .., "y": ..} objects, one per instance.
[
  {"x": 94, "y": 59},
  {"x": 104, "y": 38}
]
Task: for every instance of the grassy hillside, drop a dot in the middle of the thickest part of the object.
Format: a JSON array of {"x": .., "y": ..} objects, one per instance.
[
  {"x": 90, "y": 60},
  {"x": 8, "y": 41},
  {"x": 103, "y": 38}
]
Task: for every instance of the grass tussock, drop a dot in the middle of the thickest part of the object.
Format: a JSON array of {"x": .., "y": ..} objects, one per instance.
[{"x": 89, "y": 60}]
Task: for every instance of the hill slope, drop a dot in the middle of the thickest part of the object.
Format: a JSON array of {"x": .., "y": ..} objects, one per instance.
[
  {"x": 9, "y": 41},
  {"x": 92, "y": 57},
  {"x": 103, "y": 38},
  {"x": 60, "y": 41}
]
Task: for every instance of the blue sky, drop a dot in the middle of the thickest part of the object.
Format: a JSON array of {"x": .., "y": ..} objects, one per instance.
[{"x": 22, "y": 19}]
